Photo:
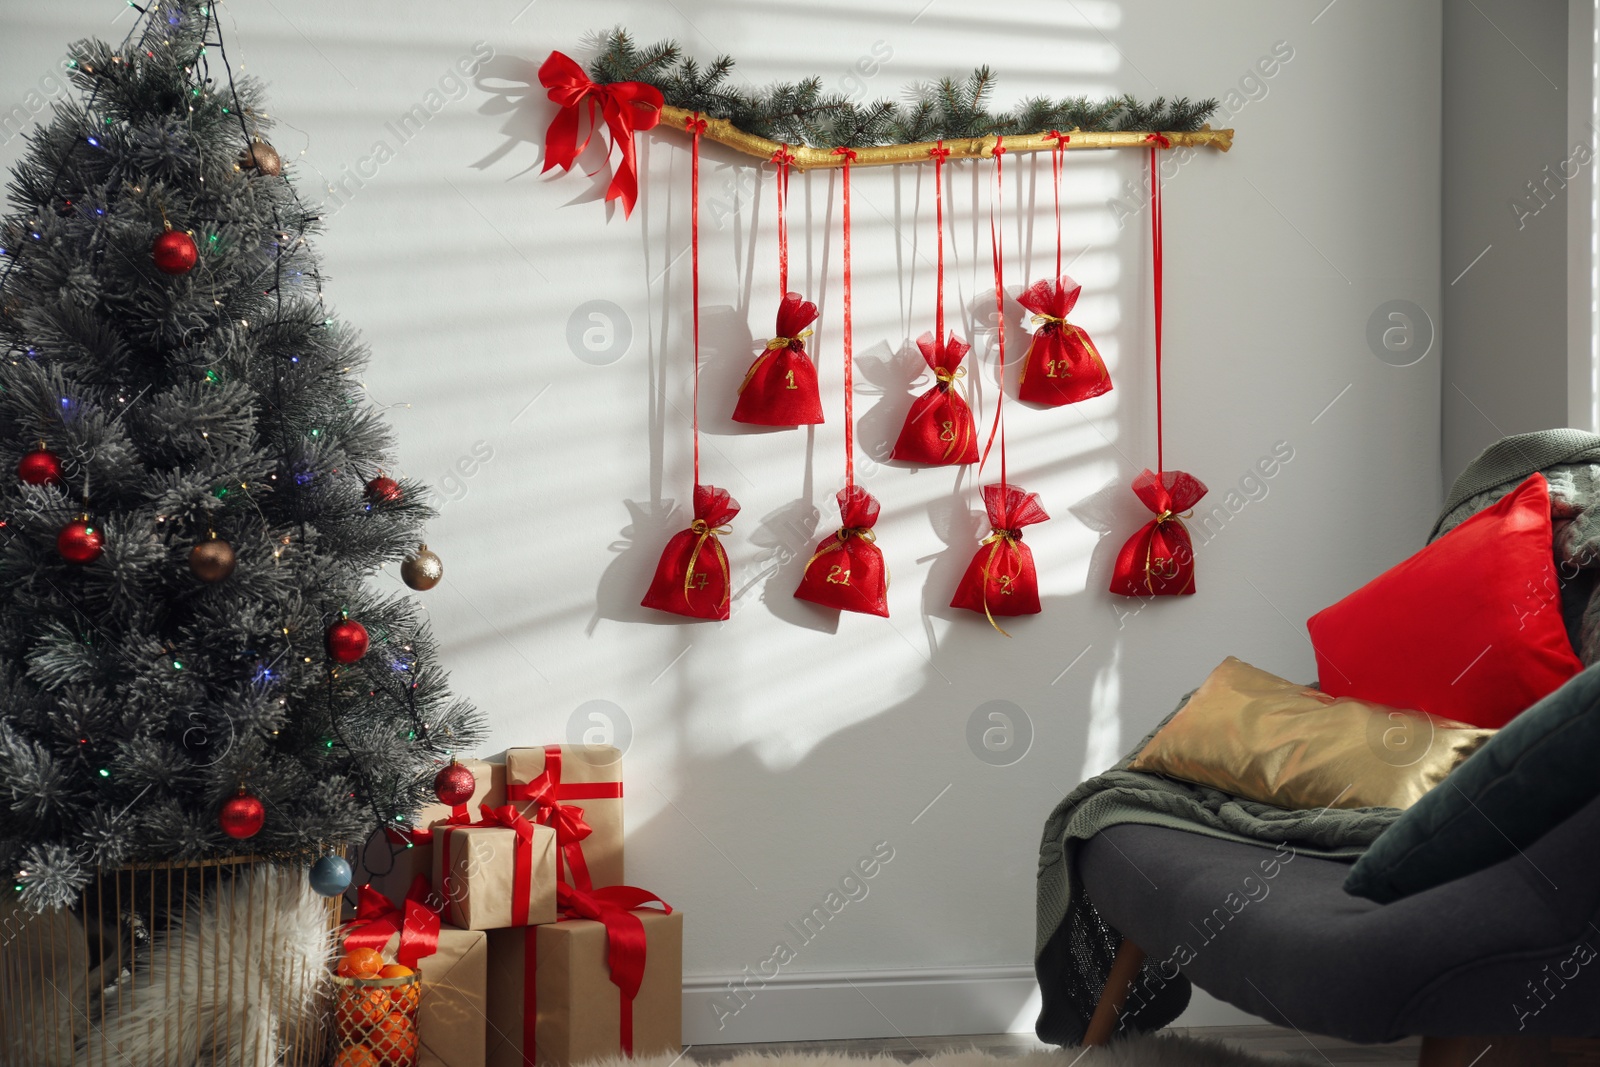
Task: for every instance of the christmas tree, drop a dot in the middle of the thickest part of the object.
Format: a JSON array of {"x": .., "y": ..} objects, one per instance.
[{"x": 192, "y": 496}]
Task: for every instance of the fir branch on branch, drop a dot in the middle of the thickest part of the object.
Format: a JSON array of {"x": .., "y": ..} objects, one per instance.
[{"x": 802, "y": 113}]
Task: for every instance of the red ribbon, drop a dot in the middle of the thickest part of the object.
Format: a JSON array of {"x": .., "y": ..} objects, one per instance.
[
  {"x": 626, "y": 107},
  {"x": 377, "y": 921},
  {"x": 1056, "y": 160},
  {"x": 626, "y": 952},
  {"x": 997, "y": 249},
  {"x": 1156, "y": 141},
  {"x": 939, "y": 153},
  {"x": 782, "y": 158},
  {"x": 546, "y": 793},
  {"x": 849, "y": 156}
]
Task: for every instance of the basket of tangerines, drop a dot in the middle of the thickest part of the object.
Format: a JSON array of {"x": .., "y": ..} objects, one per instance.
[{"x": 375, "y": 1011}]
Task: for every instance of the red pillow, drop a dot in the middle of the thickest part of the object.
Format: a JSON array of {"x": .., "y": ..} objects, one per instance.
[{"x": 1469, "y": 628}]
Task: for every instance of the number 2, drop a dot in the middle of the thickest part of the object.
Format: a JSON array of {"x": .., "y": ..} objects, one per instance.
[{"x": 1005, "y": 584}]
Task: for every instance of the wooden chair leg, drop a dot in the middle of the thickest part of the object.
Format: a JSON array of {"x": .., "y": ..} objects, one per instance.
[{"x": 1124, "y": 970}]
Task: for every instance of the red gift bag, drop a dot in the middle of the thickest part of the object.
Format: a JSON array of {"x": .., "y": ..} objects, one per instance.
[
  {"x": 1001, "y": 580},
  {"x": 1159, "y": 559},
  {"x": 780, "y": 388},
  {"x": 1062, "y": 365},
  {"x": 939, "y": 428},
  {"x": 847, "y": 571},
  {"x": 693, "y": 578}
]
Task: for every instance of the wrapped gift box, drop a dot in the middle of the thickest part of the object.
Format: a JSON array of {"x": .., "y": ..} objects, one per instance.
[
  {"x": 573, "y": 1011},
  {"x": 553, "y": 785},
  {"x": 493, "y": 876}
]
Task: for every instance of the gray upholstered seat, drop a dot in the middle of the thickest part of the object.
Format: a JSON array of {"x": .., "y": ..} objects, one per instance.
[{"x": 1511, "y": 949}]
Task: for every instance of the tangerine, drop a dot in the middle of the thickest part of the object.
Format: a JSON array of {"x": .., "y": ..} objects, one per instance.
[
  {"x": 395, "y": 1041},
  {"x": 356, "y": 1056},
  {"x": 361, "y": 1010},
  {"x": 361, "y": 963}
]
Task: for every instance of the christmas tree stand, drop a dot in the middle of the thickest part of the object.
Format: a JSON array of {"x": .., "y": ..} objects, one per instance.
[{"x": 215, "y": 962}]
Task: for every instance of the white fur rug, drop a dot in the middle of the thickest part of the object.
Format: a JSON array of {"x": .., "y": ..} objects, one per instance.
[{"x": 1153, "y": 1051}]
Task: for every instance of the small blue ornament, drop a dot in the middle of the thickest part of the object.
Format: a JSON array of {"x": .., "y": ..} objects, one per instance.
[{"x": 330, "y": 876}]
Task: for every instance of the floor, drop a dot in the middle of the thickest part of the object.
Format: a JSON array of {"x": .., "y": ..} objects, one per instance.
[{"x": 1268, "y": 1042}]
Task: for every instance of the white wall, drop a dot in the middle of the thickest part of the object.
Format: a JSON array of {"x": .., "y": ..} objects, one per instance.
[
  {"x": 1504, "y": 251},
  {"x": 770, "y": 753}
]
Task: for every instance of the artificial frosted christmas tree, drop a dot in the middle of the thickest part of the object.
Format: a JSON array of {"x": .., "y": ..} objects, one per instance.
[{"x": 193, "y": 491}]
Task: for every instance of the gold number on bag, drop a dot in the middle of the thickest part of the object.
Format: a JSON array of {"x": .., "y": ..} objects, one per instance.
[
  {"x": 1163, "y": 568},
  {"x": 1005, "y": 584},
  {"x": 839, "y": 575},
  {"x": 790, "y": 379},
  {"x": 947, "y": 431},
  {"x": 701, "y": 579},
  {"x": 1051, "y": 366}
]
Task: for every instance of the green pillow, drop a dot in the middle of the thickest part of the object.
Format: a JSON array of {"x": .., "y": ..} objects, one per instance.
[{"x": 1538, "y": 770}]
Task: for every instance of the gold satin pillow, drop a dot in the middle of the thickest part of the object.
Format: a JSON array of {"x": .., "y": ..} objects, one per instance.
[{"x": 1255, "y": 735}]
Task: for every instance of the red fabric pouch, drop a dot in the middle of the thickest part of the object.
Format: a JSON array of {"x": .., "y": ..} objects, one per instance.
[
  {"x": 939, "y": 430},
  {"x": 847, "y": 571},
  {"x": 1062, "y": 365},
  {"x": 1001, "y": 580},
  {"x": 780, "y": 388},
  {"x": 1159, "y": 559},
  {"x": 693, "y": 578},
  {"x": 1469, "y": 629}
]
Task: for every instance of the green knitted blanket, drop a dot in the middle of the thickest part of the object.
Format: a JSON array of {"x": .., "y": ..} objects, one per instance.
[{"x": 1074, "y": 947}]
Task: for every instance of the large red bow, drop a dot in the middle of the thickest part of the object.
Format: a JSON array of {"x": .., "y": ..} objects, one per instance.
[
  {"x": 627, "y": 107},
  {"x": 377, "y": 921},
  {"x": 625, "y": 937},
  {"x": 547, "y": 790}
]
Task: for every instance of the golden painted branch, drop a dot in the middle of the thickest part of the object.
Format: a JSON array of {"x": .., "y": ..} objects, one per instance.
[{"x": 724, "y": 132}]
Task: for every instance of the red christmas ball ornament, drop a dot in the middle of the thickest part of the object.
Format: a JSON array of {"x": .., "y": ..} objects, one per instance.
[
  {"x": 454, "y": 784},
  {"x": 174, "y": 252},
  {"x": 242, "y": 816},
  {"x": 40, "y": 467},
  {"x": 383, "y": 490},
  {"x": 347, "y": 641},
  {"x": 80, "y": 542}
]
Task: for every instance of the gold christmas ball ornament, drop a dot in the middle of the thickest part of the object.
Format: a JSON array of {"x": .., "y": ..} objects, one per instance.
[
  {"x": 212, "y": 560},
  {"x": 422, "y": 570},
  {"x": 262, "y": 158}
]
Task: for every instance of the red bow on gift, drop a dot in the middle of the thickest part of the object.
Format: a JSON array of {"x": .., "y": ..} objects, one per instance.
[
  {"x": 547, "y": 792},
  {"x": 627, "y": 107},
  {"x": 377, "y": 921},
  {"x": 625, "y": 937}
]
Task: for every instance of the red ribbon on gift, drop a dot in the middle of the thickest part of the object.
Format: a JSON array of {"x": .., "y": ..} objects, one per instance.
[
  {"x": 412, "y": 835},
  {"x": 547, "y": 792},
  {"x": 377, "y": 921},
  {"x": 626, "y": 106},
  {"x": 626, "y": 952}
]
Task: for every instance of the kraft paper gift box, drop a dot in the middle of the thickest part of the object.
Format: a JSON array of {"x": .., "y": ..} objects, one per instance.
[
  {"x": 573, "y": 1011},
  {"x": 393, "y": 857},
  {"x": 454, "y": 992},
  {"x": 577, "y": 790},
  {"x": 493, "y": 876}
]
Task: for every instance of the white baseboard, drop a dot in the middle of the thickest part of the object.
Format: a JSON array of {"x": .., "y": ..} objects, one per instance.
[{"x": 822, "y": 1006}]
